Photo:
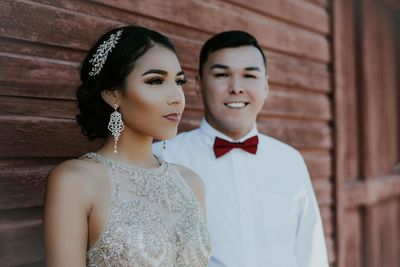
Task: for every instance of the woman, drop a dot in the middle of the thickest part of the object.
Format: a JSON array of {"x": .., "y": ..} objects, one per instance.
[{"x": 122, "y": 206}]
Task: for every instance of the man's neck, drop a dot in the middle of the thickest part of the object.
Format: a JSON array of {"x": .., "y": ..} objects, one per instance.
[{"x": 234, "y": 135}]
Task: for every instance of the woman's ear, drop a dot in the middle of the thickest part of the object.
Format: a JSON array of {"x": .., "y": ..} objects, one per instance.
[
  {"x": 197, "y": 85},
  {"x": 111, "y": 96}
]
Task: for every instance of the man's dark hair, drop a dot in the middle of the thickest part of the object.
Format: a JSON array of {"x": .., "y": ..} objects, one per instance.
[{"x": 228, "y": 39}]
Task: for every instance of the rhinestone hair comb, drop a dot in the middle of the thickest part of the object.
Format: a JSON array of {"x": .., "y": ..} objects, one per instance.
[{"x": 100, "y": 57}]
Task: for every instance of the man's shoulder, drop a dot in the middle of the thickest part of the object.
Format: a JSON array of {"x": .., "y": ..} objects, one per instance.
[{"x": 274, "y": 145}]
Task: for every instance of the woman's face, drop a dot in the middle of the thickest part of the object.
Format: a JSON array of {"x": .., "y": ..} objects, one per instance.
[{"x": 153, "y": 100}]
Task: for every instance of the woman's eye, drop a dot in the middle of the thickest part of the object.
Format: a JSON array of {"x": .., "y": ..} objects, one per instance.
[
  {"x": 223, "y": 75},
  {"x": 155, "y": 81},
  {"x": 181, "y": 81}
]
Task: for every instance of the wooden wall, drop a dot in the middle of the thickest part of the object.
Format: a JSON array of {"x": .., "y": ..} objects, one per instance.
[
  {"x": 42, "y": 43},
  {"x": 367, "y": 119}
]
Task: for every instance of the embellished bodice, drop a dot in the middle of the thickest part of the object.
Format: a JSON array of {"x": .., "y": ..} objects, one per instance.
[{"x": 154, "y": 219}]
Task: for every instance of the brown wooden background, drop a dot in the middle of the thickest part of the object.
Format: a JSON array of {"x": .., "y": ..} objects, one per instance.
[{"x": 334, "y": 96}]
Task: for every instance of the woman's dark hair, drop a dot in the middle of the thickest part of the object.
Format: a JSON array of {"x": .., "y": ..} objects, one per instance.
[
  {"x": 131, "y": 44},
  {"x": 228, "y": 39}
]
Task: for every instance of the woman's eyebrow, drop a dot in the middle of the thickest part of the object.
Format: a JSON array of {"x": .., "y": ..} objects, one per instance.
[
  {"x": 155, "y": 71},
  {"x": 180, "y": 73}
]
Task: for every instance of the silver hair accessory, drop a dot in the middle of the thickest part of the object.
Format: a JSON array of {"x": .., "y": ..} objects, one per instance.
[
  {"x": 100, "y": 57},
  {"x": 115, "y": 126}
]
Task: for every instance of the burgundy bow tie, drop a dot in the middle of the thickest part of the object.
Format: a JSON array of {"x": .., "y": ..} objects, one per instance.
[{"x": 221, "y": 146}]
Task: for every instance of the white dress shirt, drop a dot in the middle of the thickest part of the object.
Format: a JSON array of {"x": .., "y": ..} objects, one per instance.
[{"x": 261, "y": 209}]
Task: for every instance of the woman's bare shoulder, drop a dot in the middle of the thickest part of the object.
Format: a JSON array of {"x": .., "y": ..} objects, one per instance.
[{"x": 75, "y": 175}]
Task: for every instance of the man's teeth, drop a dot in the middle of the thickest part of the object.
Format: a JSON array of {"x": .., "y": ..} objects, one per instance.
[{"x": 236, "y": 104}]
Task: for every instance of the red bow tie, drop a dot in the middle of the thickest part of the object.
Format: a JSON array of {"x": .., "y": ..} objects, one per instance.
[{"x": 221, "y": 146}]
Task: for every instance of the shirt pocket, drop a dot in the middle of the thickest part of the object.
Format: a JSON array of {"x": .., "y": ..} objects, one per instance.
[{"x": 280, "y": 216}]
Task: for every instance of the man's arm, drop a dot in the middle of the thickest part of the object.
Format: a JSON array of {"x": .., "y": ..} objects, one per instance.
[{"x": 310, "y": 243}]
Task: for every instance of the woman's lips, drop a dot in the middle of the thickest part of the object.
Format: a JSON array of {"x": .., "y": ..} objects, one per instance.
[{"x": 176, "y": 117}]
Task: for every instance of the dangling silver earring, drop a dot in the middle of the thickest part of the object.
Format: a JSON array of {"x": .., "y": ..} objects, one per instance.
[{"x": 115, "y": 126}]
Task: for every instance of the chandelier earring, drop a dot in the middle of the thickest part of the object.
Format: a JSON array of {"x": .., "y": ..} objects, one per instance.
[{"x": 115, "y": 126}]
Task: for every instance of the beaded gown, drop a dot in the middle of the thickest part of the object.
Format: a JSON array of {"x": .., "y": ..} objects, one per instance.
[{"x": 154, "y": 219}]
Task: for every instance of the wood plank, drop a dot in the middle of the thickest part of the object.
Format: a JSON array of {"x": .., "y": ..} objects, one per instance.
[
  {"x": 41, "y": 50},
  {"x": 322, "y": 3},
  {"x": 23, "y": 186},
  {"x": 22, "y": 182},
  {"x": 319, "y": 163},
  {"x": 372, "y": 191},
  {"x": 21, "y": 236},
  {"x": 353, "y": 239},
  {"x": 373, "y": 252},
  {"x": 392, "y": 232},
  {"x": 283, "y": 102},
  {"x": 42, "y": 137},
  {"x": 38, "y": 77},
  {"x": 390, "y": 114},
  {"x": 311, "y": 135},
  {"x": 389, "y": 232},
  {"x": 33, "y": 264},
  {"x": 59, "y": 28},
  {"x": 392, "y": 4},
  {"x": 346, "y": 134},
  {"x": 50, "y": 108},
  {"x": 296, "y": 72},
  {"x": 372, "y": 99},
  {"x": 299, "y": 13}
]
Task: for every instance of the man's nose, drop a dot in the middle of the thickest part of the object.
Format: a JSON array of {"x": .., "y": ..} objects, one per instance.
[{"x": 235, "y": 85}]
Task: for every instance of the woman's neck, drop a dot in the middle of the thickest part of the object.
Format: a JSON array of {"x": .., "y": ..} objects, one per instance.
[{"x": 132, "y": 147}]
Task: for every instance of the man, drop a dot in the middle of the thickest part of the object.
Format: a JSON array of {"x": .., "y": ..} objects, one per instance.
[{"x": 261, "y": 208}]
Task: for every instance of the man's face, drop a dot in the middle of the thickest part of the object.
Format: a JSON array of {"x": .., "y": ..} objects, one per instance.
[{"x": 234, "y": 87}]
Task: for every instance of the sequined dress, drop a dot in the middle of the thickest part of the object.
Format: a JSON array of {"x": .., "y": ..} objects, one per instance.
[{"x": 154, "y": 219}]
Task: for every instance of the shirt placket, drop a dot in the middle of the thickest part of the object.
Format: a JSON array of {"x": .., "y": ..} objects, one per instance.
[{"x": 243, "y": 205}]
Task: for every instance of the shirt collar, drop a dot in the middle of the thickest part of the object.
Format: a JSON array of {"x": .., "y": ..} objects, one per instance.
[{"x": 210, "y": 133}]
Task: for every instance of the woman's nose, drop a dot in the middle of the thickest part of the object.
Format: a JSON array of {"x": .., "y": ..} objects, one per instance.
[{"x": 176, "y": 96}]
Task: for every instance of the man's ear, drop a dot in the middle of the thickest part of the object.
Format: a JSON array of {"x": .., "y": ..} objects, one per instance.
[
  {"x": 266, "y": 87},
  {"x": 197, "y": 85},
  {"x": 112, "y": 96}
]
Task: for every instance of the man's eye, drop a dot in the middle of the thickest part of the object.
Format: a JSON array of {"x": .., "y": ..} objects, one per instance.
[
  {"x": 250, "y": 76},
  {"x": 155, "y": 81},
  {"x": 181, "y": 81},
  {"x": 221, "y": 75}
]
